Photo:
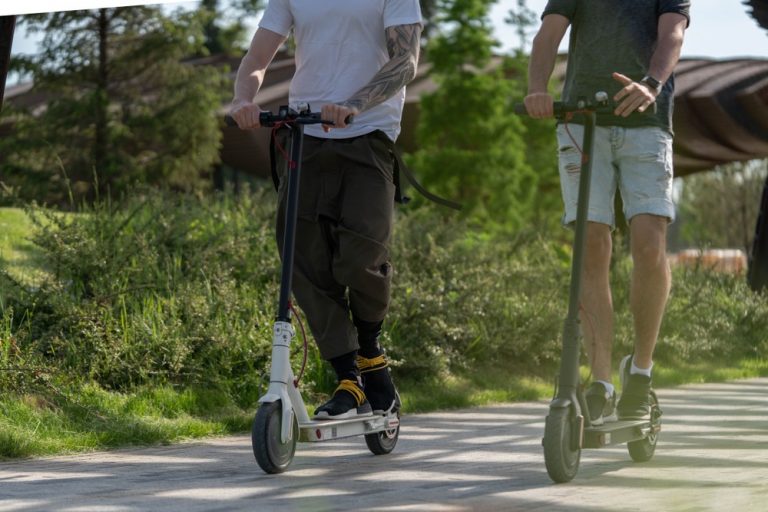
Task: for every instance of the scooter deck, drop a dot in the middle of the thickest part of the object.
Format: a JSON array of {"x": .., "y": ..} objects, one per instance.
[
  {"x": 324, "y": 430},
  {"x": 618, "y": 432}
]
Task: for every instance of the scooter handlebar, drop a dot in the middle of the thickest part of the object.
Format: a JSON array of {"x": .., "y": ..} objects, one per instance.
[
  {"x": 289, "y": 116},
  {"x": 561, "y": 108}
]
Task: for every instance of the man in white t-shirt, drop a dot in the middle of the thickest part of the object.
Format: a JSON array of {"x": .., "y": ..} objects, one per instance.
[{"x": 352, "y": 58}]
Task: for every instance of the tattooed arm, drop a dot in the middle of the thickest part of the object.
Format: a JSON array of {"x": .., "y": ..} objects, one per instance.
[{"x": 403, "y": 47}]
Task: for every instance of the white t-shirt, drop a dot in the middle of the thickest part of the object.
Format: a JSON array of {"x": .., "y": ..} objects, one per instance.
[{"x": 340, "y": 46}]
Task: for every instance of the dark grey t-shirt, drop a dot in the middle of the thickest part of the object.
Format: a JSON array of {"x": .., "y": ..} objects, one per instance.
[{"x": 615, "y": 35}]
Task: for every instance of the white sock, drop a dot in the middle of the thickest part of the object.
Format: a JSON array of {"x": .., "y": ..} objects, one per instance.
[
  {"x": 642, "y": 371},
  {"x": 608, "y": 386}
]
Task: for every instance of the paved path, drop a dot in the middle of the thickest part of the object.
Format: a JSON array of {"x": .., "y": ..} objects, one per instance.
[{"x": 712, "y": 456}]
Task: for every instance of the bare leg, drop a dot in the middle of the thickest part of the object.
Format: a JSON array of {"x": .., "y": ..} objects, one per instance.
[
  {"x": 596, "y": 303},
  {"x": 651, "y": 282}
]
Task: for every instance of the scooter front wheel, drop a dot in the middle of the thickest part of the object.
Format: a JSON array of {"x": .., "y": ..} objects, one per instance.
[
  {"x": 271, "y": 453},
  {"x": 562, "y": 451}
]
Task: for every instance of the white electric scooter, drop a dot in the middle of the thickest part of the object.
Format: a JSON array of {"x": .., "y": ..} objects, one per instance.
[{"x": 282, "y": 417}]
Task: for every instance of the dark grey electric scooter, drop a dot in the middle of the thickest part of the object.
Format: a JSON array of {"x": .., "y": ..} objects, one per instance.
[
  {"x": 282, "y": 418},
  {"x": 568, "y": 429}
]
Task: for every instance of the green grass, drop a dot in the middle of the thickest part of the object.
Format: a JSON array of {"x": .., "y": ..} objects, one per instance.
[
  {"x": 490, "y": 386},
  {"x": 708, "y": 372},
  {"x": 90, "y": 418},
  {"x": 17, "y": 252},
  {"x": 486, "y": 387},
  {"x": 93, "y": 419}
]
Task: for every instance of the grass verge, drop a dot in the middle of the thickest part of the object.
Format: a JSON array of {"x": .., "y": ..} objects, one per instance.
[
  {"x": 91, "y": 418},
  {"x": 17, "y": 252}
]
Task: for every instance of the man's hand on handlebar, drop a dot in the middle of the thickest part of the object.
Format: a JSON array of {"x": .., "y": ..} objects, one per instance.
[
  {"x": 245, "y": 114},
  {"x": 539, "y": 105},
  {"x": 634, "y": 96},
  {"x": 340, "y": 115}
]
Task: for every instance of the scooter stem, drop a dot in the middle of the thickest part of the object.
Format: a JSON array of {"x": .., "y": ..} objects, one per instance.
[
  {"x": 291, "y": 211},
  {"x": 569, "y": 369},
  {"x": 281, "y": 385}
]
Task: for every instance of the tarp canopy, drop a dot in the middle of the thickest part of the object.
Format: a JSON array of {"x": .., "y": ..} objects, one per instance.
[{"x": 721, "y": 113}]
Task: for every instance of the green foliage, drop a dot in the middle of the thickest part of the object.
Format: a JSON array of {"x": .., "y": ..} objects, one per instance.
[
  {"x": 720, "y": 208},
  {"x": 226, "y": 33},
  {"x": 122, "y": 106},
  {"x": 146, "y": 302},
  {"x": 523, "y": 19},
  {"x": 464, "y": 299},
  {"x": 181, "y": 290},
  {"x": 156, "y": 289},
  {"x": 711, "y": 317},
  {"x": 472, "y": 147}
]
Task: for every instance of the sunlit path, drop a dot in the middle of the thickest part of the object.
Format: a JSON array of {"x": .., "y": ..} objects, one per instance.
[{"x": 712, "y": 455}]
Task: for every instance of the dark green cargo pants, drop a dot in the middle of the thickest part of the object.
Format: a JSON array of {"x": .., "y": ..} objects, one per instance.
[{"x": 346, "y": 203}]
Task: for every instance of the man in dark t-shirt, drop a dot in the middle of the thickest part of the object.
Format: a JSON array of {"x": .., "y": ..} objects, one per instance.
[{"x": 627, "y": 48}]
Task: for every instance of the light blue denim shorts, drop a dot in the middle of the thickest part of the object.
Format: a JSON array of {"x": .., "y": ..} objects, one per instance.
[{"x": 636, "y": 160}]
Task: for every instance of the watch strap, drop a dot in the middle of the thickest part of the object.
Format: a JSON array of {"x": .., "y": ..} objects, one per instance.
[{"x": 652, "y": 82}]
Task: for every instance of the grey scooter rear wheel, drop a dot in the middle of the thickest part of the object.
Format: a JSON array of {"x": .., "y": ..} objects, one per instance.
[
  {"x": 271, "y": 453},
  {"x": 382, "y": 443},
  {"x": 561, "y": 449},
  {"x": 643, "y": 450}
]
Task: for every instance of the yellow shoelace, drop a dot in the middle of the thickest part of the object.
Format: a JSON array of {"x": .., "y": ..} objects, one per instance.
[
  {"x": 352, "y": 388},
  {"x": 366, "y": 365}
]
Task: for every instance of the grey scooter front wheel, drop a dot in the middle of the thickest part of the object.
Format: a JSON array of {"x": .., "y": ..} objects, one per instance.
[
  {"x": 271, "y": 453},
  {"x": 562, "y": 452}
]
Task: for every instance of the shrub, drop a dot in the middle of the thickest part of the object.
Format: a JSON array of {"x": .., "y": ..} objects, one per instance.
[{"x": 159, "y": 290}]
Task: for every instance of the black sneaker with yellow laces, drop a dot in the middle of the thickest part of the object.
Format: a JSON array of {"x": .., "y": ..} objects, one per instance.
[
  {"x": 348, "y": 401},
  {"x": 377, "y": 383}
]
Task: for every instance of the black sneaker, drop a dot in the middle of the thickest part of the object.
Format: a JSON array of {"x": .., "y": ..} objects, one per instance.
[
  {"x": 635, "y": 401},
  {"x": 601, "y": 404},
  {"x": 348, "y": 401},
  {"x": 378, "y": 385}
]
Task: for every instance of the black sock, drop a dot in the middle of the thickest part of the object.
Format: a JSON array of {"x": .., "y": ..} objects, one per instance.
[
  {"x": 345, "y": 366},
  {"x": 368, "y": 337}
]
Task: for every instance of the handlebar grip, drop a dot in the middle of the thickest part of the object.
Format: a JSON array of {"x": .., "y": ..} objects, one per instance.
[
  {"x": 520, "y": 109},
  {"x": 265, "y": 119}
]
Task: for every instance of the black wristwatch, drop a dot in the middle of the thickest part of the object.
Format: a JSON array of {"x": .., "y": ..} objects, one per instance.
[{"x": 652, "y": 83}]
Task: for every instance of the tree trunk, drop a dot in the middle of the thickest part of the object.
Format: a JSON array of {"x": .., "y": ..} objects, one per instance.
[
  {"x": 7, "y": 27},
  {"x": 758, "y": 261},
  {"x": 100, "y": 147}
]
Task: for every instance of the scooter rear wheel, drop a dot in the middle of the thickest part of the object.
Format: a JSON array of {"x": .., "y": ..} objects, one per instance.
[
  {"x": 271, "y": 453},
  {"x": 643, "y": 450},
  {"x": 382, "y": 443},
  {"x": 562, "y": 452}
]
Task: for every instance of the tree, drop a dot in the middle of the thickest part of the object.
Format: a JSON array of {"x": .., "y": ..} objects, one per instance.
[
  {"x": 123, "y": 106},
  {"x": 472, "y": 147},
  {"x": 428, "y": 8},
  {"x": 228, "y": 36},
  {"x": 7, "y": 27}
]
